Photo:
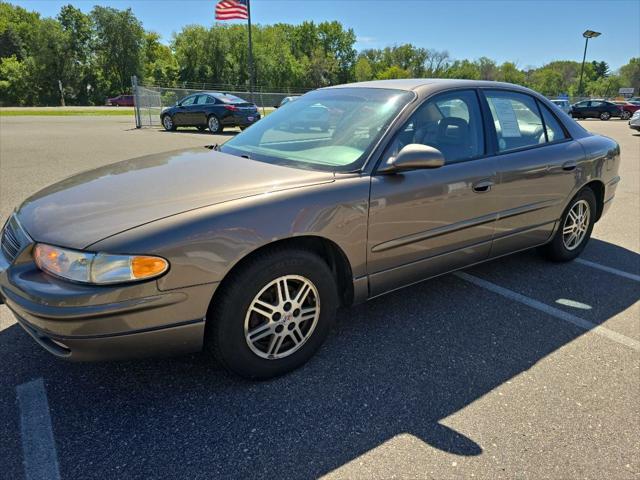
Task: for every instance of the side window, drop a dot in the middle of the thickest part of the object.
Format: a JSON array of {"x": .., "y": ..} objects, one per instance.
[
  {"x": 554, "y": 129},
  {"x": 187, "y": 101},
  {"x": 210, "y": 100},
  {"x": 516, "y": 118},
  {"x": 450, "y": 122},
  {"x": 201, "y": 99},
  {"x": 596, "y": 104}
]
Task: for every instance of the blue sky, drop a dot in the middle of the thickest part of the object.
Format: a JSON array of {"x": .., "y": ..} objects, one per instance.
[{"x": 529, "y": 33}]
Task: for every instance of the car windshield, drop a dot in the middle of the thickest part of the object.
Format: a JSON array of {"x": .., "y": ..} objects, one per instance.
[{"x": 333, "y": 129}]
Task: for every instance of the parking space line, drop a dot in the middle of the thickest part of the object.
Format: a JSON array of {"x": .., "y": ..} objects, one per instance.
[
  {"x": 554, "y": 312},
  {"x": 604, "y": 268},
  {"x": 38, "y": 445}
]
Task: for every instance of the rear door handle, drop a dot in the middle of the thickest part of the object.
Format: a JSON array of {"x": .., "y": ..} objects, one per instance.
[
  {"x": 482, "y": 186},
  {"x": 570, "y": 165}
]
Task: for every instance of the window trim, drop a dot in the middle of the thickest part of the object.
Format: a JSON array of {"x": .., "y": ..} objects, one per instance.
[
  {"x": 497, "y": 151},
  {"x": 402, "y": 122}
]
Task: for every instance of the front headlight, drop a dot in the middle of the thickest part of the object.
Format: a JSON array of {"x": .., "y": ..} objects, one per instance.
[{"x": 97, "y": 268}]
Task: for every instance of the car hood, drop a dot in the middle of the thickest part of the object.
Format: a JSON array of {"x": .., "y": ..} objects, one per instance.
[{"x": 93, "y": 205}]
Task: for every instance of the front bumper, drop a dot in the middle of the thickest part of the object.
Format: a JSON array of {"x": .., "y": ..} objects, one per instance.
[{"x": 86, "y": 322}]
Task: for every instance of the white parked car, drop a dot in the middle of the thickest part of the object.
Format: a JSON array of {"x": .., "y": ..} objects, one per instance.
[{"x": 634, "y": 121}]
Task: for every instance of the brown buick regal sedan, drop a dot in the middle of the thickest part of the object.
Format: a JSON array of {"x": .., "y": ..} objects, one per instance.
[{"x": 246, "y": 250}]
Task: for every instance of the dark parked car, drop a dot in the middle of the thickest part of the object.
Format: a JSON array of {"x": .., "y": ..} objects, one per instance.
[
  {"x": 247, "y": 250},
  {"x": 210, "y": 110},
  {"x": 595, "y": 109},
  {"x": 121, "y": 101}
]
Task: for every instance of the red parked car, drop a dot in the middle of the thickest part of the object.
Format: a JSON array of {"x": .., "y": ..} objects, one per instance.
[
  {"x": 628, "y": 109},
  {"x": 121, "y": 101}
]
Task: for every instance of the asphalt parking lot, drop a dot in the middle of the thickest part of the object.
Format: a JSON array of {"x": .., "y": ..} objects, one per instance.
[{"x": 518, "y": 368}]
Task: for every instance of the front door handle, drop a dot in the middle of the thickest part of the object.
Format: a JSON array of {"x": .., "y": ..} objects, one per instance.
[
  {"x": 482, "y": 186},
  {"x": 570, "y": 165}
]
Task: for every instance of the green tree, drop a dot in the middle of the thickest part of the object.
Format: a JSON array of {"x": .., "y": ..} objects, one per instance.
[
  {"x": 393, "y": 71},
  {"x": 11, "y": 44},
  {"x": 118, "y": 46},
  {"x": 630, "y": 74},
  {"x": 363, "y": 70},
  {"x": 14, "y": 82}
]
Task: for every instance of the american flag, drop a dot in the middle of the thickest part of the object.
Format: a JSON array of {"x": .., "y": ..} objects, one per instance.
[{"x": 232, "y": 9}]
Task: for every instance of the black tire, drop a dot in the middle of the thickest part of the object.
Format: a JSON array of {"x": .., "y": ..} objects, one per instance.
[
  {"x": 556, "y": 250},
  {"x": 605, "y": 116},
  {"x": 218, "y": 124},
  {"x": 225, "y": 331},
  {"x": 170, "y": 125}
]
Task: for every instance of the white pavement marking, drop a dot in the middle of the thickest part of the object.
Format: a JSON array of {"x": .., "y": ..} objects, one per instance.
[
  {"x": 554, "y": 312},
  {"x": 38, "y": 446},
  {"x": 604, "y": 268}
]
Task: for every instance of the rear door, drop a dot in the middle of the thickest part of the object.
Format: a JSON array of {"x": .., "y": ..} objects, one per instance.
[
  {"x": 425, "y": 222},
  {"x": 537, "y": 166}
]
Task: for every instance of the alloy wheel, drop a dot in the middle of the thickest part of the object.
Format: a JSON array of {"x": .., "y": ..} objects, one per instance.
[
  {"x": 167, "y": 122},
  {"x": 605, "y": 116},
  {"x": 214, "y": 124},
  {"x": 576, "y": 225},
  {"x": 282, "y": 317}
]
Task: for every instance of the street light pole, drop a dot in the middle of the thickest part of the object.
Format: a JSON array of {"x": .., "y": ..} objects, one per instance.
[{"x": 587, "y": 35}]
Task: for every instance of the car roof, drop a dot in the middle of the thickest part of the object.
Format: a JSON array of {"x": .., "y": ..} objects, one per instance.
[{"x": 412, "y": 84}]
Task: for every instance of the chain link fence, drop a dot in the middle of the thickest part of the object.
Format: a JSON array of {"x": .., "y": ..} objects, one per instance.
[{"x": 150, "y": 100}]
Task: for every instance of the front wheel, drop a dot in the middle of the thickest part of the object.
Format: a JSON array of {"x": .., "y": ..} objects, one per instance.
[
  {"x": 272, "y": 314},
  {"x": 605, "y": 116},
  {"x": 168, "y": 124},
  {"x": 575, "y": 228}
]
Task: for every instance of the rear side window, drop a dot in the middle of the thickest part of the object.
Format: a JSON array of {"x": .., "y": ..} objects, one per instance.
[
  {"x": 450, "y": 122},
  {"x": 555, "y": 132},
  {"x": 516, "y": 119},
  {"x": 201, "y": 99},
  {"x": 210, "y": 100}
]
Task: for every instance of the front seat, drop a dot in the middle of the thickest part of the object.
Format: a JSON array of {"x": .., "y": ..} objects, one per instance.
[{"x": 453, "y": 138}]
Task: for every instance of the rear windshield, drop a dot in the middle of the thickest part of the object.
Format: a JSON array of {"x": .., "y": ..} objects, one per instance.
[{"x": 226, "y": 98}]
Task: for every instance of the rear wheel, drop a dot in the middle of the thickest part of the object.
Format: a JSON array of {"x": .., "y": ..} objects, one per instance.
[
  {"x": 272, "y": 314},
  {"x": 168, "y": 124},
  {"x": 605, "y": 116},
  {"x": 214, "y": 124},
  {"x": 575, "y": 228},
  {"x": 626, "y": 115}
]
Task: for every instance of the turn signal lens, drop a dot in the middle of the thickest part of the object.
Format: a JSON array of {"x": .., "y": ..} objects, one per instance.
[
  {"x": 97, "y": 268},
  {"x": 145, "y": 267}
]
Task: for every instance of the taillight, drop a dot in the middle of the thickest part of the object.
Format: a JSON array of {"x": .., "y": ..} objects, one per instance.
[{"x": 233, "y": 108}]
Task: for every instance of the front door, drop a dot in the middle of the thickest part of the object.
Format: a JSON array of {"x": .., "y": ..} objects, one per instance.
[
  {"x": 182, "y": 115},
  {"x": 426, "y": 222},
  {"x": 537, "y": 165}
]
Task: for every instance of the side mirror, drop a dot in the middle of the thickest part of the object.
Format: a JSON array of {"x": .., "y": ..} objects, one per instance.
[{"x": 414, "y": 156}]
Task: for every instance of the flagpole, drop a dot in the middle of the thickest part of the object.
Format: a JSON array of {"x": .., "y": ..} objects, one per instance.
[{"x": 251, "y": 70}]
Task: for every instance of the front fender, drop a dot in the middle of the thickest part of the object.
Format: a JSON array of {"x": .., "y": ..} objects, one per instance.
[{"x": 203, "y": 245}]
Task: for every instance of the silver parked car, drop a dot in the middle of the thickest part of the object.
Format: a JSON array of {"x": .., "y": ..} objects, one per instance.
[
  {"x": 634, "y": 121},
  {"x": 247, "y": 250}
]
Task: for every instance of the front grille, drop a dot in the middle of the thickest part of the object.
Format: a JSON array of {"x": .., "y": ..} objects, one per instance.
[{"x": 13, "y": 239}]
